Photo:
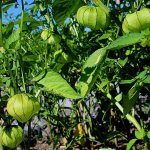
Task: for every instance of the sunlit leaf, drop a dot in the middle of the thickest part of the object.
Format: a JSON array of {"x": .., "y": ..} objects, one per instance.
[
  {"x": 125, "y": 40},
  {"x": 54, "y": 83},
  {"x": 130, "y": 144},
  {"x": 91, "y": 70}
]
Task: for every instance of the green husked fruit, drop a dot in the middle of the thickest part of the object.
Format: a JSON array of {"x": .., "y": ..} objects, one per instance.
[
  {"x": 11, "y": 136},
  {"x": 45, "y": 34},
  {"x": 54, "y": 39},
  {"x": 93, "y": 17},
  {"x": 137, "y": 21},
  {"x": 22, "y": 106}
]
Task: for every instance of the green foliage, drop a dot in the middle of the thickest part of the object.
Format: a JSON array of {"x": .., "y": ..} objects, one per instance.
[
  {"x": 64, "y": 8},
  {"x": 130, "y": 144},
  {"x": 140, "y": 134},
  {"x": 126, "y": 40},
  {"x": 55, "y": 84},
  {"x": 130, "y": 98},
  {"x": 90, "y": 71},
  {"x": 98, "y": 79}
]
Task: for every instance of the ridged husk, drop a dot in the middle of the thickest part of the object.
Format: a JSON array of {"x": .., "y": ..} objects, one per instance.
[
  {"x": 45, "y": 34},
  {"x": 11, "y": 136},
  {"x": 93, "y": 17},
  {"x": 22, "y": 106},
  {"x": 54, "y": 39},
  {"x": 137, "y": 21}
]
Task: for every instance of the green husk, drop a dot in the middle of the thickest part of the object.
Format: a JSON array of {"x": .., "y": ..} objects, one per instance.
[
  {"x": 93, "y": 17},
  {"x": 12, "y": 136},
  {"x": 54, "y": 39},
  {"x": 22, "y": 107},
  {"x": 137, "y": 21}
]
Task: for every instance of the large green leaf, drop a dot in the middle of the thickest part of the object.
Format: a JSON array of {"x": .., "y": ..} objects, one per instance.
[
  {"x": 64, "y": 8},
  {"x": 126, "y": 40},
  {"x": 92, "y": 65},
  {"x": 54, "y": 83},
  {"x": 91, "y": 70}
]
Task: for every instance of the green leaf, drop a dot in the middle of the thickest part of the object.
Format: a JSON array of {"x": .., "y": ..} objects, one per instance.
[
  {"x": 5, "y": 8},
  {"x": 130, "y": 144},
  {"x": 125, "y": 40},
  {"x": 64, "y": 8},
  {"x": 140, "y": 134},
  {"x": 127, "y": 81},
  {"x": 15, "y": 36},
  {"x": 118, "y": 98},
  {"x": 8, "y": 28},
  {"x": 104, "y": 36},
  {"x": 130, "y": 99},
  {"x": 148, "y": 134},
  {"x": 30, "y": 58},
  {"x": 147, "y": 80},
  {"x": 54, "y": 83},
  {"x": 122, "y": 62},
  {"x": 91, "y": 70},
  {"x": 28, "y": 19},
  {"x": 142, "y": 74}
]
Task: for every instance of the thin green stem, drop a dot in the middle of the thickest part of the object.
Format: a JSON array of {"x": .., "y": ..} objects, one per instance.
[
  {"x": 107, "y": 3},
  {"x": 22, "y": 17},
  {"x": 46, "y": 57},
  {"x": 29, "y": 134},
  {"x": 1, "y": 40},
  {"x": 23, "y": 80},
  {"x": 21, "y": 28},
  {"x": 47, "y": 16},
  {"x": 129, "y": 117},
  {"x": 13, "y": 79}
]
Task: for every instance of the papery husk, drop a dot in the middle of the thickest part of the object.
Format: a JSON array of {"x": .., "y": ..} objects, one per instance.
[
  {"x": 45, "y": 34},
  {"x": 12, "y": 136},
  {"x": 54, "y": 39},
  {"x": 137, "y": 21},
  {"x": 93, "y": 17},
  {"x": 22, "y": 106}
]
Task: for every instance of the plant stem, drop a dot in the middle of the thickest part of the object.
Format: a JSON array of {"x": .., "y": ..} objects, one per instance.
[
  {"x": 20, "y": 59},
  {"x": 129, "y": 117},
  {"x": 1, "y": 40},
  {"x": 47, "y": 16},
  {"x": 29, "y": 134},
  {"x": 23, "y": 80},
  {"x": 22, "y": 17}
]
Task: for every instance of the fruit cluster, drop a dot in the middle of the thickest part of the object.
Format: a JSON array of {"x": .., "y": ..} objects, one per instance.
[{"x": 21, "y": 107}]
